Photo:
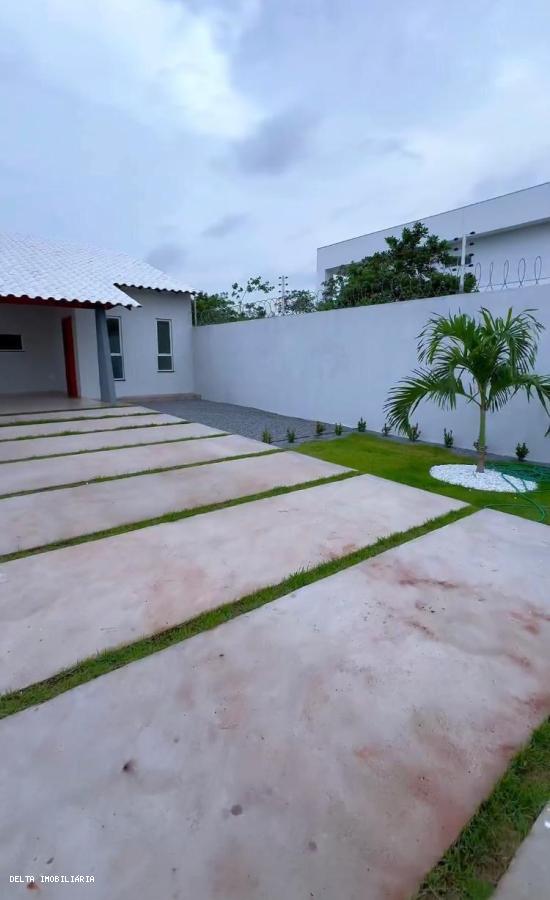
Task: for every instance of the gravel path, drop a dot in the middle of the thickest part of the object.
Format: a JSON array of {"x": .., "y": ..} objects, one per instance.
[{"x": 243, "y": 420}]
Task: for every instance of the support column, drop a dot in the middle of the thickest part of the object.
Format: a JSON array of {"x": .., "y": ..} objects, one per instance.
[{"x": 106, "y": 380}]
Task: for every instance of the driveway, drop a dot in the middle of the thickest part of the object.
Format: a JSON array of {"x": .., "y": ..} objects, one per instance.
[{"x": 331, "y": 743}]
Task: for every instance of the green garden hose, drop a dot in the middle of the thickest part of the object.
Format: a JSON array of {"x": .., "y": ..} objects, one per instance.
[{"x": 524, "y": 472}]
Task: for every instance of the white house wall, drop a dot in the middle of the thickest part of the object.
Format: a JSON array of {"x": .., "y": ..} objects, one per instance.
[
  {"x": 337, "y": 366},
  {"x": 40, "y": 366},
  {"x": 139, "y": 341}
]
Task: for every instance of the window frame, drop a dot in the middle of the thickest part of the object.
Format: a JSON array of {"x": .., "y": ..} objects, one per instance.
[
  {"x": 165, "y": 355},
  {"x": 20, "y": 349},
  {"x": 121, "y": 354}
]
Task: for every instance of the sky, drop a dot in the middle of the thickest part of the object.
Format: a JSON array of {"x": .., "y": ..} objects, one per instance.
[{"x": 222, "y": 139}]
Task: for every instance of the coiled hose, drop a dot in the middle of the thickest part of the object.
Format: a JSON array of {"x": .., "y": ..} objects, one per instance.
[{"x": 524, "y": 472}]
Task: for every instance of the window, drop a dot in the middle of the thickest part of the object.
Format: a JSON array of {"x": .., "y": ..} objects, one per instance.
[
  {"x": 11, "y": 342},
  {"x": 114, "y": 330},
  {"x": 165, "y": 362}
]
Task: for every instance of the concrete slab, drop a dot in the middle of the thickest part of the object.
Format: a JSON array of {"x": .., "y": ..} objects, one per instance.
[
  {"x": 53, "y": 471},
  {"x": 330, "y": 745},
  {"x": 67, "y": 415},
  {"x": 33, "y": 520},
  {"x": 528, "y": 877},
  {"x": 18, "y": 403},
  {"x": 76, "y": 443},
  {"x": 66, "y": 605},
  {"x": 15, "y": 432}
]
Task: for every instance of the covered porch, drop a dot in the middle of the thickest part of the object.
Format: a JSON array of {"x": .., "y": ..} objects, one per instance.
[{"x": 53, "y": 355}]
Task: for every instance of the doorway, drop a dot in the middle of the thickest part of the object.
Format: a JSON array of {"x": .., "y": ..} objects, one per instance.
[{"x": 70, "y": 359}]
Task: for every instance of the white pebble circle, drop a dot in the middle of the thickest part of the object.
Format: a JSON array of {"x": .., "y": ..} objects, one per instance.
[{"x": 490, "y": 480}]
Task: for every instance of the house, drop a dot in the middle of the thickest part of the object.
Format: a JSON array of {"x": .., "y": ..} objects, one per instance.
[
  {"x": 90, "y": 323},
  {"x": 504, "y": 241}
]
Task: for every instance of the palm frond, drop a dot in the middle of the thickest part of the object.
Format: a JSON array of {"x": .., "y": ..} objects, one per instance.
[
  {"x": 423, "y": 384},
  {"x": 507, "y": 382}
]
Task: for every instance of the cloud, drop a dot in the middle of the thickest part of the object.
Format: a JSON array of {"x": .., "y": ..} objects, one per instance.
[
  {"x": 278, "y": 144},
  {"x": 225, "y": 225},
  {"x": 167, "y": 256},
  {"x": 157, "y": 58},
  {"x": 388, "y": 146},
  {"x": 116, "y": 111}
]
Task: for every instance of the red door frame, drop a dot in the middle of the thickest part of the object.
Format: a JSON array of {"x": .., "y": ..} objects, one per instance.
[{"x": 70, "y": 359}]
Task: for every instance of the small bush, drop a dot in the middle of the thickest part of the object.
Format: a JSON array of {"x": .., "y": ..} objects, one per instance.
[
  {"x": 413, "y": 432},
  {"x": 448, "y": 437},
  {"x": 319, "y": 428},
  {"x": 361, "y": 425},
  {"x": 267, "y": 437},
  {"x": 290, "y": 435},
  {"x": 385, "y": 429},
  {"x": 338, "y": 428},
  {"x": 522, "y": 450}
]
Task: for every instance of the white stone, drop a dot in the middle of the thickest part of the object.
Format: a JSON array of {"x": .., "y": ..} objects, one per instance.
[{"x": 490, "y": 480}]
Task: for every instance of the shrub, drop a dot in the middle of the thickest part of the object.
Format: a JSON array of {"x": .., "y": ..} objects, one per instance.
[
  {"x": 267, "y": 437},
  {"x": 290, "y": 435},
  {"x": 413, "y": 432},
  {"x": 338, "y": 428},
  {"x": 522, "y": 450},
  {"x": 385, "y": 429},
  {"x": 448, "y": 437},
  {"x": 319, "y": 428},
  {"x": 361, "y": 425}
]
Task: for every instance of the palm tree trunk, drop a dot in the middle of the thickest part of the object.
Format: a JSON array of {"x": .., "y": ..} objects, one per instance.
[{"x": 481, "y": 441}]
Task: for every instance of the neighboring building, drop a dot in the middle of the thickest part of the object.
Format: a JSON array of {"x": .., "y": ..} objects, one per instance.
[
  {"x": 90, "y": 323},
  {"x": 499, "y": 235}
]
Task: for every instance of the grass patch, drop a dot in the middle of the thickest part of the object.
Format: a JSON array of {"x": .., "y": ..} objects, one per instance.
[
  {"x": 34, "y": 437},
  {"x": 174, "y": 516},
  {"x": 474, "y": 864},
  {"x": 199, "y": 437},
  {"x": 123, "y": 475},
  {"x": 411, "y": 463},
  {"x": 109, "y": 660},
  {"x": 68, "y": 419}
]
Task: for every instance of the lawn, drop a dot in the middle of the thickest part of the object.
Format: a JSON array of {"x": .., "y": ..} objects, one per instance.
[{"x": 410, "y": 463}]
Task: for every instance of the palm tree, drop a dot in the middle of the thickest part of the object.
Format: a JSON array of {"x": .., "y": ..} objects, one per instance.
[{"x": 487, "y": 360}]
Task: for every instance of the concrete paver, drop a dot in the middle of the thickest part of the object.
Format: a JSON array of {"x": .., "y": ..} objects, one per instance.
[
  {"x": 14, "y": 432},
  {"x": 331, "y": 744},
  {"x": 99, "y": 413},
  {"x": 65, "y": 605},
  {"x": 54, "y": 471},
  {"x": 50, "y": 446},
  {"x": 33, "y": 520},
  {"x": 528, "y": 877}
]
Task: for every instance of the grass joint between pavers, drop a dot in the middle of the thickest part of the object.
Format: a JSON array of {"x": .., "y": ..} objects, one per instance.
[
  {"x": 109, "y": 660},
  {"x": 175, "y": 516}
]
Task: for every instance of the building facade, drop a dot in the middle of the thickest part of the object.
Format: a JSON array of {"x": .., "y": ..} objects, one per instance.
[
  {"x": 506, "y": 239},
  {"x": 89, "y": 323}
]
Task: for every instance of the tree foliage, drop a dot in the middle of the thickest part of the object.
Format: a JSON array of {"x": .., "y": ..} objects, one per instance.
[
  {"x": 414, "y": 265},
  {"x": 487, "y": 360},
  {"x": 417, "y": 264}
]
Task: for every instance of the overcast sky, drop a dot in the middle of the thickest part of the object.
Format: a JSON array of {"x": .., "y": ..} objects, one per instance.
[{"x": 227, "y": 138}]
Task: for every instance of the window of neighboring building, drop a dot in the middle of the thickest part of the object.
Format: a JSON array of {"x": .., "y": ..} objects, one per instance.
[
  {"x": 165, "y": 361},
  {"x": 114, "y": 330},
  {"x": 11, "y": 342}
]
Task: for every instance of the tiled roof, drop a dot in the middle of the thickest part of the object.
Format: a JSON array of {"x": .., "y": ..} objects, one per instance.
[{"x": 42, "y": 270}]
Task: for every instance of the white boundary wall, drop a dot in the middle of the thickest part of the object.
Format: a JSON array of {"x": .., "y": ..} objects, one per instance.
[{"x": 337, "y": 366}]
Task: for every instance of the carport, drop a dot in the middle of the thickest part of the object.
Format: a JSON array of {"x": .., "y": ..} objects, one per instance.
[{"x": 53, "y": 325}]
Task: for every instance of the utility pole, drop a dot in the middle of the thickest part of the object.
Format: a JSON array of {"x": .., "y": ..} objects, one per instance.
[{"x": 283, "y": 287}]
